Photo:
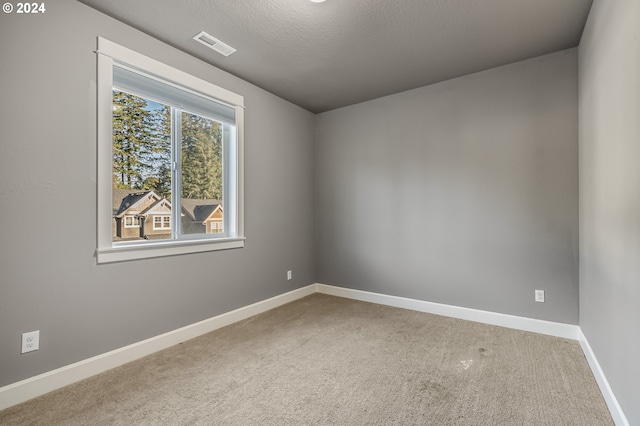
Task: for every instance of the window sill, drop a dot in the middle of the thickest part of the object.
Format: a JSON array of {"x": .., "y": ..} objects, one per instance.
[{"x": 165, "y": 248}]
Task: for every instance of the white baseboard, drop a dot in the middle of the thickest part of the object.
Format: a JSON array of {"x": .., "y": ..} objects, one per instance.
[
  {"x": 32, "y": 387},
  {"x": 557, "y": 329},
  {"x": 614, "y": 408},
  {"x": 24, "y": 390}
]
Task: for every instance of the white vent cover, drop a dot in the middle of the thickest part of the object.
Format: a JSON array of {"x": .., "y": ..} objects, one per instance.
[{"x": 214, "y": 43}]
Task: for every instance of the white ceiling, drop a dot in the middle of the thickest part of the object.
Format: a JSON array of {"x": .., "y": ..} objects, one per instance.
[{"x": 323, "y": 56}]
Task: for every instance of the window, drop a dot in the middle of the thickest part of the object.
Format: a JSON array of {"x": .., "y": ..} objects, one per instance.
[
  {"x": 216, "y": 227},
  {"x": 170, "y": 151},
  {"x": 162, "y": 222},
  {"x": 131, "y": 222}
]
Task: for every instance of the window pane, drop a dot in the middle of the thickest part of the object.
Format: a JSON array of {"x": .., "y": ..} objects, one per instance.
[
  {"x": 201, "y": 175},
  {"x": 141, "y": 163}
]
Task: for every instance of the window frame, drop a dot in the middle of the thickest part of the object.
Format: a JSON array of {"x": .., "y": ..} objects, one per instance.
[{"x": 109, "y": 53}]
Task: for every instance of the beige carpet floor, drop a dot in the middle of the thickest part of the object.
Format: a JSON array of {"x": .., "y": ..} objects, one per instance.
[{"x": 325, "y": 360}]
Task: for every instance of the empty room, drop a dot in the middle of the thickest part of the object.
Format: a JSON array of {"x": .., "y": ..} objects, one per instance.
[{"x": 320, "y": 212}]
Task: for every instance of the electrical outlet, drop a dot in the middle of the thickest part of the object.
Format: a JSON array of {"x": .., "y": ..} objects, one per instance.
[
  {"x": 289, "y": 275},
  {"x": 30, "y": 341},
  {"x": 540, "y": 296}
]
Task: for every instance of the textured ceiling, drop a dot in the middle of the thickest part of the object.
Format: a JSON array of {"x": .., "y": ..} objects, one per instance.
[{"x": 323, "y": 56}]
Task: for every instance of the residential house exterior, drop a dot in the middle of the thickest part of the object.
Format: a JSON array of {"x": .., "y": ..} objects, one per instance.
[
  {"x": 155, "y": 221},
  {"x": 143, "y": 214},
  {"x": 201, "y": 216}
]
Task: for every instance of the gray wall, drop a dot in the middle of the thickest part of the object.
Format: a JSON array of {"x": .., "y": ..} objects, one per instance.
[
  {"x": 609, "y": 58},
  {"x": 463, "y": 192},
  {"x": 49, "y": 277}
]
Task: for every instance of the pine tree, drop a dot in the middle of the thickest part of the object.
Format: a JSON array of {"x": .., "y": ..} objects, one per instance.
[
  {"x": 160, "y": 180},
  {"x": 142, "y": 149},
  {"x": 133, "y": 140},
  {"x": 201, "y": 157}
]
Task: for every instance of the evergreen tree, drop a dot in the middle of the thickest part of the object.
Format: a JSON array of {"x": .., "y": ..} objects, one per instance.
[
  {"x": 133, "y": 139},
  {"x": 160, "y": 180},
  {"x": 201, "y": 157},
  {"x": 142, "y": 149}
]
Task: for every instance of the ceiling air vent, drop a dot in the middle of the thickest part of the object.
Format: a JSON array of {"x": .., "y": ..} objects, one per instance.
[{"x": 214, "y": 43}]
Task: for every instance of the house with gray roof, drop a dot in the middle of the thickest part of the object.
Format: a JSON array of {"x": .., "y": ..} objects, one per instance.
[
  {"x": 202, "y": 216},
  {"x": 143, "y": 214}
]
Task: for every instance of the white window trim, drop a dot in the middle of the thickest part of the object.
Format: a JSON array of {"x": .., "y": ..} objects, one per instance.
[{"x": 106, "y": 252}]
